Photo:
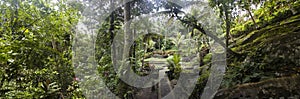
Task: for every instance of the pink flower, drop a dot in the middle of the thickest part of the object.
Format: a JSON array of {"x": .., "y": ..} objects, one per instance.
[{"x": 76, "y": 79}]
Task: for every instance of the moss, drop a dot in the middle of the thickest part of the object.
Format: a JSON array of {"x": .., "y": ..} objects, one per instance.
[
  {"x": 268, "y": 34},
  {"x": 266, "y": 16},
  {"x": 268, "y": 88},
  {"x": 207, "y": 58},
  {"x": 271, "y": 33},
  {"x": 235, "y": 49},
  {"x": 269, "y": 50}
]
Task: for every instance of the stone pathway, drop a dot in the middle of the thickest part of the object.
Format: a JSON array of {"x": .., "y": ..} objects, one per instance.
[{"x": 164, "y": 87}]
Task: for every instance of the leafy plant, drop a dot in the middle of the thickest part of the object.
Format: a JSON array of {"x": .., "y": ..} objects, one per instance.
[{"x": 174, "y": 66}]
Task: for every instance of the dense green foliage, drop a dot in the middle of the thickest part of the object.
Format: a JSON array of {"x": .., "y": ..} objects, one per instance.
[
  {"x": 271, "y": 50},
  {"x": 36, "y": 50},
  {"x": 37, "y": 58}
]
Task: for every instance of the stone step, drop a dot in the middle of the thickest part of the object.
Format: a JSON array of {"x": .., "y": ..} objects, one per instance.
[
  {"x": 165, "y": 88},
  {"x": 189, "y": 65},
  {"x": 158, "y": 56},
  {"x": 146, "y": 93}
]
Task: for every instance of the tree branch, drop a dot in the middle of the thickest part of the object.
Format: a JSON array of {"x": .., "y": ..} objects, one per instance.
[{"x": 200, "y": 28}]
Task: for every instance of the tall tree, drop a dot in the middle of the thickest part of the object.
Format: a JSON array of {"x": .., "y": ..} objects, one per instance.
[{"x": 224, "y": 7}]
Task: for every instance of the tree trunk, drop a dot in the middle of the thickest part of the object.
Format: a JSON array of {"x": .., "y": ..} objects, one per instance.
[
  {"x": 252, "y": 18},
  {"x": 126, "y": 37},
  {"x": 134, "y": 61},
  {"x": 227, "y": 22},
  {"x": 127, "y": 32},
  {"x": 111, "y": 29},
  {"x": 122, "y": 87},
  {"x": 247, "y": 7}
]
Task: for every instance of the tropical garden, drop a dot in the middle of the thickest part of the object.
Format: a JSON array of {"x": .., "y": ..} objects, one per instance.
[{"x": 149, "y": 49}]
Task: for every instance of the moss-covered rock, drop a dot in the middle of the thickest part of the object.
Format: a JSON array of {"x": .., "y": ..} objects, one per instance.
[
  {"x": 272, "y": 88},
  {"x": 272, "y": 50}
]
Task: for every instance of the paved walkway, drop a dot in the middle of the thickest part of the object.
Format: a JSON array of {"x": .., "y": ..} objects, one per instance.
[{"x": 164, "y": 87}]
